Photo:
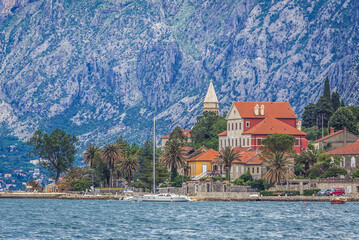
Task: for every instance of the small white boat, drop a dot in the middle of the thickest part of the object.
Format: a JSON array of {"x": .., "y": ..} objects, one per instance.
[{"x": 161, "y": 198}]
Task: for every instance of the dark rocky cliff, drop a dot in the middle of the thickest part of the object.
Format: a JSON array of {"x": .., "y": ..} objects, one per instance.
[{"x": 103, "y": 68}]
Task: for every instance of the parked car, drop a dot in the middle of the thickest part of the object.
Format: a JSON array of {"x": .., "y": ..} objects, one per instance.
[
  {"x": 323, "y": 192},
  {"x": 127, "y": 191},
  {"x": 336, "y": 191}
]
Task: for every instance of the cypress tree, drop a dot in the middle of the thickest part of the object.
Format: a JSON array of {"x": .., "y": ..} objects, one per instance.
[
  {"x": 335, "y": 101},
  {"x": 309, "y": 115},
  {"x": 326, "y": 92},
  {"x": 342, "y": 104}
]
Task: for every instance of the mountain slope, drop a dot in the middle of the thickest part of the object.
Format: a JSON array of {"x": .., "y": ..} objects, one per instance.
[{"x": 103, "y": 68}]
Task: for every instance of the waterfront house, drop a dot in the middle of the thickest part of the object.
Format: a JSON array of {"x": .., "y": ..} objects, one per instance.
[
  {"x": 336, "y": 139},
  {"x": 164, "y": 139},
  {"x": 248, "y": 123},
  {"x": 350, "y": 156},
  {"x": 201, "y": 163}
]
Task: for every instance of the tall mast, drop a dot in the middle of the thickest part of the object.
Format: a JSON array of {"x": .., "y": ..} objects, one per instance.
[{"x": 154, "y": 155}]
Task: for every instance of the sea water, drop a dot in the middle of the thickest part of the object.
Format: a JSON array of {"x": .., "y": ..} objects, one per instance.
[{"x": 98, "y": 219}]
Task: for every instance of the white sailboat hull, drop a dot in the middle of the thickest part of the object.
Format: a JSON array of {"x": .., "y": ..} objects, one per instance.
[{"x": 161, "y": 198}]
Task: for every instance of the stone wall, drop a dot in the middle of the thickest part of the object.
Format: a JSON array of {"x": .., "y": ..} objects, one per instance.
[{"x": 351, "y": 185}]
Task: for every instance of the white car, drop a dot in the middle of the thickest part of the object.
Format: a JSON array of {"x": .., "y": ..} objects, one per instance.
[{"x": 127, "y": 191}]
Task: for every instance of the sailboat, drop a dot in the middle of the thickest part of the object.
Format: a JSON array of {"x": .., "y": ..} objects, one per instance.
[{"x": 154, "y": 197}]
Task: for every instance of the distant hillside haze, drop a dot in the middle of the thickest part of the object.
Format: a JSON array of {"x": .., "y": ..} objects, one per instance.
[{"x": 99, "y": 69}]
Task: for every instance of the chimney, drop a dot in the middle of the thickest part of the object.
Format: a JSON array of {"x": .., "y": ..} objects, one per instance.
[
  {"x": 262, "y": 110},
  {"x": 331, "y": 130},
  {"x": 345, "y": 136},
  {"x": 256, "y": 110}
]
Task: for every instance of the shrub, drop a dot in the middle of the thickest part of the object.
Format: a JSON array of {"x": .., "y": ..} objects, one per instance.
[
  {"x": 217, "y": 178},
  {"x": 260, "y": 184},
  {"x": 81, "y": 184},
  {"x": 239, "y": 181},
  {"x": 310, "y": 192},
  {"x": 279, "y": 193},
  {"x": 334, "y": 172},
  {"x": 246, "y": 177}
]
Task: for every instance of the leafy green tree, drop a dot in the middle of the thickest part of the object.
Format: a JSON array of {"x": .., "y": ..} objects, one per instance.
[
  {"x": 81, "y": 184},
  {"x": 278, "y": 143},
  {"x": 324, "y": 111},
  {"x": 356, "y": 173},
  {"x": 227, "y": 156},
  {"x": 335, "y": 172},
  {"x": 260, "y": 185},
  {"x": 299, "y": 169},
  {"x": 324, "y": 163},
  {"x": 309, "y": 115},
  {"x": 179, "y": 180},
  {"x": 177, "y": 134},
  {"x": 326, "y": 92},
  {"x": 247, "y": 177},
  {"x": 173, "y": 157},
  {"x": 206, "y": 129},
  {"x": 79, "y": 179},
  {"x": 58, "y": 149},
  {"x": 89, "y": 153},
  {"x": 335, "y": 101},
  {"x": 343, "y": 117}
]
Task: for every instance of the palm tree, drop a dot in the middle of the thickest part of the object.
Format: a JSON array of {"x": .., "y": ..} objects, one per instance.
[
  {"x": 227, "y": 156},
  {"x": 173, "y": 157},
  {"x": 128, "y": 166},
  {"x": 278, "y": 166},
  {"x": 110, "y": 155},
  {"x": 309, "y": 157},
  {"x": 89, "y": 153}
]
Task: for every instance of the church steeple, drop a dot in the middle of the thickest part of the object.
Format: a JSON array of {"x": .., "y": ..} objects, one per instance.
[{"x": 210, "y": 101}]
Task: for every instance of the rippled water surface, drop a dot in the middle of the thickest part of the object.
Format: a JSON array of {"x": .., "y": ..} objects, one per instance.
[{"x": 76, "y": 219}]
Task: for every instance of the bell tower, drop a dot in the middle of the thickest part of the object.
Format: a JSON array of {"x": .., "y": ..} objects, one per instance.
[{"x": 210, "y": 103}]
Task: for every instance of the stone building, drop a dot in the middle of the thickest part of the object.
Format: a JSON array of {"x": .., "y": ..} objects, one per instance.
[
  {"x": 336, "y": 139},
  {"x": 350, "y": 156}
]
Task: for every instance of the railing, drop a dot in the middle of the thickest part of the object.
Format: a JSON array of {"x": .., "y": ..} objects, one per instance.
[{"x": 204, "y": 174}]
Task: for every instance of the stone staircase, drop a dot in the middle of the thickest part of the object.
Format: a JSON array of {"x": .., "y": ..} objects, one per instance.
[{"x": 204, "y": 174}]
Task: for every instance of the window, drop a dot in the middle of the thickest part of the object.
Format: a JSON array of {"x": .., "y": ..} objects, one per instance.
[
  {"x": 297, "y": 142},
  {"x": 232, "y": 126},
  {"x": 352, "y": 162},
  {"x": 259, "y": 142},
  {"x": 240, "y": 125},
  {"x": 236, "y": 126},
  {"x": 236, "y": 142},
  {"x": 248, "y": 142},
  {"x": 229, "y": 142},
  {"x": 244, "y": 141},
  {"x": 257, "y": 169},
  {"x": 247, "y": 124},
  {"x": 242, "y": 169},
  {"x": 237, "y": 168},
  {"x": 342, "y": 162},
  {"x": 232, "y": 142},
  {"x": 252, "y": 169}
]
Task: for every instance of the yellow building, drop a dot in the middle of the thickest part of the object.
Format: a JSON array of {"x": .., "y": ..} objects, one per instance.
[{"x": 202, "y": 162}]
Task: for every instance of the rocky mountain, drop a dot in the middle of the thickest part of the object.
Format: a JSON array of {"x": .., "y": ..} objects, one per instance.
[{"x": 101, "y": 68}]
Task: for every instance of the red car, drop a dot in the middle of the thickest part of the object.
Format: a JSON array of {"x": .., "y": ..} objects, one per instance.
[{"x": 336, "y": 191}]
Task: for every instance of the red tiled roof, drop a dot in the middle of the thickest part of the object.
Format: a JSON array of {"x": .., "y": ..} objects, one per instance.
[
  {"x": 271, "y": 126},
  {"x": 249, "y": 157},
  {"x": 240, "y": 149},
  {"x": 165, "y": 137},
  {"x": 255, "y": 161},
  {"x": 223, "y": 133},
  {"x": 328, "y": 136},
  {"x": 352, "y": 149},
  {"x": 210, "y": 155},
  {"x": 271, "y": 109}
]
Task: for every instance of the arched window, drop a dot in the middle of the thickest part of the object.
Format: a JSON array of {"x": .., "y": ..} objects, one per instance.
[{"x": 352, "y": 162}]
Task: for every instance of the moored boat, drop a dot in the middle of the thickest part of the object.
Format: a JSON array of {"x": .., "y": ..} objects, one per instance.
[
  {"x": 161, "y": 198},
  {"x": 338, "y": 200}
]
